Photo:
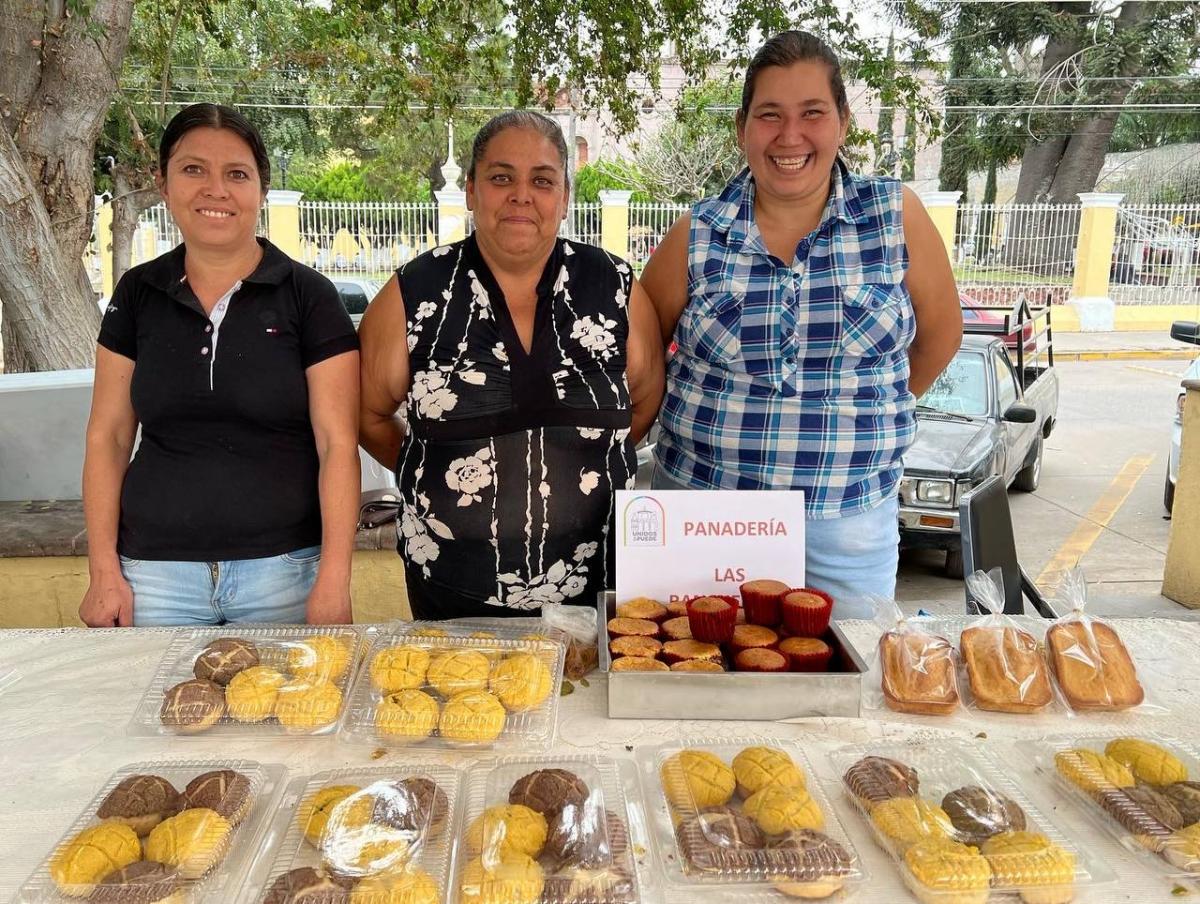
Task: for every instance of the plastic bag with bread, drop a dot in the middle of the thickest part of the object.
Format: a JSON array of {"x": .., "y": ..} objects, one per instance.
[
  {"x": 1094, "y": 669},
  {"x": 917, "y": 670},
  {"x": 1006, "y": 669}
]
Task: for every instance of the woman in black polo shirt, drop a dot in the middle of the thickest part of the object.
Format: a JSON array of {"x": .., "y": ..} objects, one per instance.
[{"x": 241, "y": 367}]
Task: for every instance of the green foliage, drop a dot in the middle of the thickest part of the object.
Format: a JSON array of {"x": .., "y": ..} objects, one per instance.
[
  {"x": 593, "y": 178},
  {"x": 340, "y": 182}
]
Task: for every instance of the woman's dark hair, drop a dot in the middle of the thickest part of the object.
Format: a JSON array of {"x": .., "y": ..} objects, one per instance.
[
  {"x": 519, "y": 119},
  {"x": 786, "y": 49},
  {"x": 214, "y": 116}
]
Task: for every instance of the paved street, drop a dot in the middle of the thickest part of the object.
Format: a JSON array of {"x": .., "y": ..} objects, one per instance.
[{"x": 1108, "y": 455}]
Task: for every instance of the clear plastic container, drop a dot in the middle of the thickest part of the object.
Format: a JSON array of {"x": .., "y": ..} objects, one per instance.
[
  {"x": 239, "y": 680},
  {"x": 546, "y": 831},
  {"x": 958, "y": 828},
  {"x": 201, "y": 819},
  {"x": 377, "y": 830},
  {"x": 456, "y": 686},
  {"x": 744, "y": 820},
  {"x": 1144, "y": 794}
]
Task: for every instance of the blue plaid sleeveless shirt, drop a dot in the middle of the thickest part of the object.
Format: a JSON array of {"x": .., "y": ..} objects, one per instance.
[{"x": 794, "y": 376}]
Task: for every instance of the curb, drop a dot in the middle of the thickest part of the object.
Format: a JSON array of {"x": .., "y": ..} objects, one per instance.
[{"x": 1127, "y": 354}]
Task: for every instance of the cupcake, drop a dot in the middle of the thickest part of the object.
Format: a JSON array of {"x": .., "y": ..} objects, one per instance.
[
  {"x": 760, "y": 660},
  {"x": 749, "y": 637},
  {"x": 697, "y": 665},
  {"x": 806, "y": 654},
  {"x": 677, "y": 629},
  {"x": 762, "y": 601},
  {"x": 634, "y": 645},
  {"x": 638, "y": 664},
  {"x": 642, "y": 607},
  {"x": 677, "y": 609},
  {"x": 806, "y": 612},
  {"x": 635, "y": 627},
  {"x": 681, "y": 650},
  {"x": 712, "y": 618}
]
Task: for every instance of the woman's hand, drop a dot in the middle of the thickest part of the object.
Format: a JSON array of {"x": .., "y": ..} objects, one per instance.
[
  {"x": 329, "y": 604},
  {"x": 108, "y": 602}
]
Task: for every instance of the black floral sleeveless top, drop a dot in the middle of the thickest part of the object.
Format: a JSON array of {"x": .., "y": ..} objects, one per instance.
[{"x": 510, "y": 460}]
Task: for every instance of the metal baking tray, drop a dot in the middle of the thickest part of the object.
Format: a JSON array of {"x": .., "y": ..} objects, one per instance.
[{"x": 742, "y": 696}]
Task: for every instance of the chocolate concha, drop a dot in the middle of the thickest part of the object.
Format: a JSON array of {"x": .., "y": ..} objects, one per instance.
[
  {"x": 193, "y": 705},
  {"x": 578, "y": 885},
  {"x": 874, "y": 779},
  {"x": 307, "y": 885},
  {"x": 223, "y": 790},
  {"x": 1186, "y": 798},
  {"x": 578, "y": 838},
  {"x": 721, "y": 840},
  {"x": 1132, "y": 814},
  {"x": 806, "y": 855},
  {"x": 140, "y": 795},
  {"x": 141, "y": 882},
  {"x": 547, "y": 791},
  {"x": 224, "y": 658},
  {"x": 979, "y": 813}
]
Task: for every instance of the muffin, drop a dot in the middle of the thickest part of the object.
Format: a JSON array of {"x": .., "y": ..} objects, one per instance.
[
  {"x": 696, "y": 779},
  {"x": 755, "y": 768},
  {"x": 507, "y": 830},
  {"x": 874, "y": 779},
  {"x": 763, "y": 602},
  {"x": 907, "y": 820},
  {"x": 521, "y": 681},
  {"x": 1040, "y": 870},
  {"x": 941, "y": 871},
  {"x": 548, "y": 791},
  {"x": 473, "y": 717},
  {"x": 252, "y": 693},
  {"x": 308, "y": 885},
  {"x": 806, "y": 654},
  {"x": 712, "y": 618},
  {"x": 681, "y": 650},
  {"x": 677, "y": 628},
  {"x": 643, "y": 608},
  {"x": 141, "y": 882},
  {"x": 511, "y": 880},
  {"x": 321, "y": 657},
  {"x": 411, "y": 885},
  {"x": 140, "y": 802},
  {"x": 399, "y": 668},
  {"x": 677, "y": 609},
  {"x": 806, "y": 612},
  {"x": 193, "y": 706},
  {"x": 1092, "y": 772},
  {"x": 632, "y": 627},
  {"x": 458, "y": 671},
  {"x": 639, "y": 664},
  {"x": 303, "y": 706},
  {"x": 1148, "y": 762},
  {"x": 979, "y": 813},
  {"x": 748, "y": 637},
  {"x": 409, "y": 714},
  {"x": 634, "y": 645},
  {"x": 91, "y": 855},
  {"x": 225, "y": 792},
  {"x": 760, "y": 660},
  {"x": 697, "y": 665},
  {"x": 224, "y": 658},
  {"x": 192, "y": 842},
  {"x": 312, "y": 816},
  {"x": 778, "y": 809}
]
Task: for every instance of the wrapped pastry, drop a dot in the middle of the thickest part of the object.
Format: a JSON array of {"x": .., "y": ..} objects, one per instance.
[{"x": 1005, "y": 666}]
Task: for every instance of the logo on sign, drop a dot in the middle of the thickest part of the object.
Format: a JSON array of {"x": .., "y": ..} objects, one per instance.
[{"x": 645, "y": 523}]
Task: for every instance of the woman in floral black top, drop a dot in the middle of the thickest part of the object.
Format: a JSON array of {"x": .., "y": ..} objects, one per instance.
[{"x": 524, "y": 367}]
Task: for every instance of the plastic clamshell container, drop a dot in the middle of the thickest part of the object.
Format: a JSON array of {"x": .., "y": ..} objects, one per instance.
[
  {"x": 299, "y": 690},
  {"x": 216, "y": 884},
  {"x": 372, "y": 830},
  {"x": 1128, "y": 820},
  {"x": 695, "y": 850},
  {"x": 740, "y": 696},
  {"x": 943, "y": 860},
  {"x": 450, "y": 686},
  {"x": 587, "y": 841}
]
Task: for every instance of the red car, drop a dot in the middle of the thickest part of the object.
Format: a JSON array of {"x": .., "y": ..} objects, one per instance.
[{"x": 994, "y": 315}]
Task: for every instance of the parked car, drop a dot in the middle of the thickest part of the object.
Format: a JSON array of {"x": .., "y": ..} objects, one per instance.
[
  {"x": 1184, "y": 331},
  {"x": 356, "y": 293},
  {"x": 984, "y": 415},
  {"x": 998, "y": 319}
]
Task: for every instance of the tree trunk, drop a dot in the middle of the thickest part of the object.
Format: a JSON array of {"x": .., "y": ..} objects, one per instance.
[
  {"x": 128, "y": 203},
  {"x": 58, "y": 74}
]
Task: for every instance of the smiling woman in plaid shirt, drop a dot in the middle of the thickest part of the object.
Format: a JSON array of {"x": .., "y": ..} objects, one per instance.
[{"x": 811, "y": 306}]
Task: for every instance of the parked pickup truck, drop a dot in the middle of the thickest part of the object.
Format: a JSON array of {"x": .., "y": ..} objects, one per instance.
[{"x": 986, "y": 414}]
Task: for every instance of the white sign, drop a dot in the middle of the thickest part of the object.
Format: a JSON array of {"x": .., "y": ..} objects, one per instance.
[{"x": 677, "y": 544}]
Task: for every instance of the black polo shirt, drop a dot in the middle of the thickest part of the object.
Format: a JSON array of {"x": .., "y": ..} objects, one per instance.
[{"x": 227, "y": 465}]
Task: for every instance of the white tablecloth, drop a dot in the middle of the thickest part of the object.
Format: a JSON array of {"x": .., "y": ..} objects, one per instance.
[{"x": 71, "y": 693}]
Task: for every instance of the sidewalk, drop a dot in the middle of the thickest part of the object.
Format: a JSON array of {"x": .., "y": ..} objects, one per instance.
[{"x": 1122, "y": 345}]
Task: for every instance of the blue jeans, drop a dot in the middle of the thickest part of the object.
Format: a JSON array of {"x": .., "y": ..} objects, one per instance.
[
  {"x": 272, "y": 590},
  {"x": 848, "y": 558}
]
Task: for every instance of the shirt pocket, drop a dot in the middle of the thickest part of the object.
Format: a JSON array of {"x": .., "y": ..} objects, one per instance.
[
  {"x": 713, "y": 326},
  {"x": 876, "y": 319}
]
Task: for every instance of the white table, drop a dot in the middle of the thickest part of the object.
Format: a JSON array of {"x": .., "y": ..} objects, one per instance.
[{"x": 63, "y": 722}]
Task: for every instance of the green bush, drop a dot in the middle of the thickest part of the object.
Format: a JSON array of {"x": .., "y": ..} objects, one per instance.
[{"x": 594, "y": 178}]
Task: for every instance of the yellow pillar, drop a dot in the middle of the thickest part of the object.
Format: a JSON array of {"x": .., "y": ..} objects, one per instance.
[
  {"x": 1181, "y": 577},
  {"x": 1093, "y": 260},
  {"x": 283, "y": 221},
  {"x": 943, "y": 210},
  {"x": 614, "y": 222},
  {"x": 104, "y": 248},
  {"x": 147, "y": 242},
  {"x": 452, "y": 215}
]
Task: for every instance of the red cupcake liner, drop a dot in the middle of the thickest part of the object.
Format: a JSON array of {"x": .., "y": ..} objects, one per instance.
[
  {"x": 760, "y": 660},
  {"x": 762, "y": 608},
  {"x": 806, "y": 621},
  {"x": 817, "y": 661},
  {"x": 712, "y": 627}
]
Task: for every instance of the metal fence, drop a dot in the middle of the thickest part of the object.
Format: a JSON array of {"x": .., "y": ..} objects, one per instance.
[
  {"x": 1004, "y": 251},
  {"x": 157, "y": 233},
  {"x": 1156, "y": 256},
  {"x": 648, "y": 223},
  {"x": 371, "y": 238}
]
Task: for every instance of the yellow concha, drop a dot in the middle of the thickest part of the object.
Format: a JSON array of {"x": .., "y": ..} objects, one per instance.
[
  {"x": 522, "y": 682},
  {"x": 507, "y": 829},
  {"x": 1149, "y": 762},
  {"x": 513, "y": 880},
  {"x": 1092, "y": 771},
  {"x": 473, "y": 717},
  {"x": 408, "y": 714},
  {"x": 319, "y": 658},
  {"x": 399, "y": 668},
  {"x": 696, "y": 779},
  {"x": 193, "y": 841},
  {"x": 306, "y": 706},
  {"x": 410, "y": 886},
  {"x": 458, "y": 671},
  {"x": 91, "y": 855},
  {"x": 1028, "y": 858},
  {"x": 943, "y": 865},
  {"x": 757, "y": 767},
  {"x": 907, "y": 820},
  {"x": 779, "y": 809},
  {"x": 313, "y": 814},
  {"x": 252, "y": 693}
]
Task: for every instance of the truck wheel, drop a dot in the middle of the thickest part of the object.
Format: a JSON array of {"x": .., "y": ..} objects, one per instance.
[
  {"x": 954, "y": 563},
  {"x": 1169, "y": 494},
  {"x": 1030, "y": 476}
]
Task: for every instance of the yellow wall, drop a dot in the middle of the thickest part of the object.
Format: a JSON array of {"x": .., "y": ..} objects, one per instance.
[{"x": 1181, "y": 577}]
